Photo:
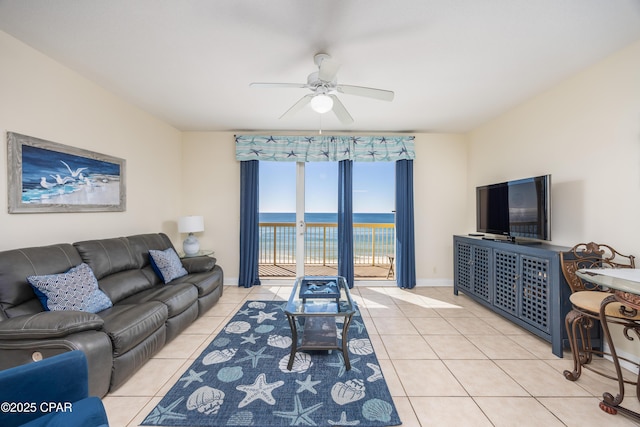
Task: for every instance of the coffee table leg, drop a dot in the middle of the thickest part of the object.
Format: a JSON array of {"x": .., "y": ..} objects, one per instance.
[
  {"x": 294, "y": 340},
  {"x": 345, "y": 339}
]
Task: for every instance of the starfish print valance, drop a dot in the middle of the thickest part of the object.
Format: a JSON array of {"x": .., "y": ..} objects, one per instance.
[{"x": 324, "y": 148}]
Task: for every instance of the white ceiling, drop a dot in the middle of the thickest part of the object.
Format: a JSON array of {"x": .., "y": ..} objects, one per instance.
[{"x": 453, "y": 64}]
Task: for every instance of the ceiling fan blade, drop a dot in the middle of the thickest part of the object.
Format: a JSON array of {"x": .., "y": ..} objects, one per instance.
[
  {"x": 279, "y": 85},
  {"x": 328, "y": 70},
  {"x": 369, "y": 92},
  {"x": 297, "y": 106},
  {"x": 341, "y": 113}
]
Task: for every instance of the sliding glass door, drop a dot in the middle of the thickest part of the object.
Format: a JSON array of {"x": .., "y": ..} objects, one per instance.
[{"x": 298, "y": 218}]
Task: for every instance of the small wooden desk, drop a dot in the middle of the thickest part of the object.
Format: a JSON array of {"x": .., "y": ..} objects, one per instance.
[{"x": 625, "y": 283}]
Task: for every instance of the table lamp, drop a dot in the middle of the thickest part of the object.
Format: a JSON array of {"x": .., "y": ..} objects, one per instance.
[{"x": 190, "y": 224}]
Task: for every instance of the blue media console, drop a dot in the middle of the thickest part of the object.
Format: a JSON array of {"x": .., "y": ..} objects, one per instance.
[{"x": 522, "y": 283}]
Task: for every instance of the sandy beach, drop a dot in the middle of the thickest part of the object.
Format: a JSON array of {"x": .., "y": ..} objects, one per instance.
[{"x": 99, "y": 193}]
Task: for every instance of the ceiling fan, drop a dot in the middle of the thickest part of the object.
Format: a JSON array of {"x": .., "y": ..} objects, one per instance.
[{"x": 324, "y": 86}]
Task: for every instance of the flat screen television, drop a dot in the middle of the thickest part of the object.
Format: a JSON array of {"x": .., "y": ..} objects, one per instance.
[{"x": 520, "y": 208}]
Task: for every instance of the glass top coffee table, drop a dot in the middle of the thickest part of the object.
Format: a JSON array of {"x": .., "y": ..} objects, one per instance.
[{"x": 316, "y": 305}]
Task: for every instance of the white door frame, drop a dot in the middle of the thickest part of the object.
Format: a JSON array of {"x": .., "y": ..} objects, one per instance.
[{"x": 300, "y": 224}]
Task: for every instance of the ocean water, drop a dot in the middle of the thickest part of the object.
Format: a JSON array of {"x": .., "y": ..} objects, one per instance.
[{"x": 326, "y": 217}]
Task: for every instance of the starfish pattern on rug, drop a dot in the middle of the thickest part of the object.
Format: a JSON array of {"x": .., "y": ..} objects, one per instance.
[
  {"x": 357, "y": 324},
  {"x": 161, "y": 413},
  {"x": 262, "y": 316},
  {"x": 307, "y": 385},
  {"x": 250, "y": 339},
  {"x": 282, "y": 307},
  {"x": 255, "y": 356},
  {"x": 342, "y": 369},
  {"x": 191, "y": 377},
  {"x": 260, "y": 389},
  {"x": 343, "y": 422},
  {"x": 299, "y": 415}
]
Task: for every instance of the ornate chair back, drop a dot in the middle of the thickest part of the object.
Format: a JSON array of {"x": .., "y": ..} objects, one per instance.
[{"x": 591, "y": 255}]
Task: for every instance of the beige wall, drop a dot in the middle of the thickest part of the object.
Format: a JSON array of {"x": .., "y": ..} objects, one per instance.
[
  {"x": 586, "y": 133},
  {"x": 211, "y": 177},
  {"x": 440, "y": 182},
  {"x": 41, "y": 98},
  {"x": 212, "y": 185}
]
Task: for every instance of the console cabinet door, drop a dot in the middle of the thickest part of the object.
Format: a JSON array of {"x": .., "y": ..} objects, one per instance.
[
  {"x": 535, "y": 292},
  {"x": 463, "y": 261},
  {"x": 482, "y": 272},
  {"x": 473, "y": 269},
  {"x": 522, "y": 287},
  {"x": 507, "y": 273}
]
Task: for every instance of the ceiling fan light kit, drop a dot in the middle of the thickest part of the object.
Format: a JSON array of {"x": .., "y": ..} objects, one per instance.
[
  {"x": 324, "y": 85},
  {"x": 321, "y": 103}
]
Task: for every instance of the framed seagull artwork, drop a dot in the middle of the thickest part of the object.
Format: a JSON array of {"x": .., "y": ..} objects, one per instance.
[{"x": 46, "y": 176}]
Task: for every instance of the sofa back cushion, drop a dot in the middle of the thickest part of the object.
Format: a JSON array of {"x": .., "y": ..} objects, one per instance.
[
  {"x": 115, "y": 265},
  {"x": 107, "y": 256},
  {"x": 16, "y": 295},
  {"x": 141, "y": 244}
]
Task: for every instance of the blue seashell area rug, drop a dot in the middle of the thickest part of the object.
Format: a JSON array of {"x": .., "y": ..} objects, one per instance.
[{"x": 241, "y": 379}]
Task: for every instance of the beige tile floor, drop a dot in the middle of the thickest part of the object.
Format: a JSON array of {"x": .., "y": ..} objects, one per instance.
[{"x": 447, "y": 360}]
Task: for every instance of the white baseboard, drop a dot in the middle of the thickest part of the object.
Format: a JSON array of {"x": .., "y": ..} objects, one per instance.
[
  {"x": 434, "y": 282},
  {"x": 623, "y": 363}
]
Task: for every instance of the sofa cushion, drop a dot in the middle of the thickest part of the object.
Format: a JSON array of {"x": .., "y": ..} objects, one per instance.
[
  {"x": 77, "y": 289},
  {"x": 16, "y": 295},
  {"x": 205, "y": 282},
  {"x": 49, "y": 324},
  {"x": 198, "y": 264},
  {"x": 119, "y": 286},
  {"x": 177, "y": 297},
  {"x": 167, "y": 264},
  {"x": 129, "y": 324},
  {"x": 141, "y": 244},
  {"x": 107, "y": 256}
]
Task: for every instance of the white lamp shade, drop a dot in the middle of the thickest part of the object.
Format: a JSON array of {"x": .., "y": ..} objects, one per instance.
[
  {"x": 190, "y": 224},
  {"x": 321, "y": 103}
]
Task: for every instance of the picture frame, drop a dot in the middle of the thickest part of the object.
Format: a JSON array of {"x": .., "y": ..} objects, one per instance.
[{"x": 46, "y": 176}]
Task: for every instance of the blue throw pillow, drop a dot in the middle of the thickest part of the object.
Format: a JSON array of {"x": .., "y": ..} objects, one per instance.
[
  {"x": 167, "y": 264},
  {"x": 77, "y": 289}
]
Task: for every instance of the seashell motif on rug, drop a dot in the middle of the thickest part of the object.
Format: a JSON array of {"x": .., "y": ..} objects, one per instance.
[
  {"x": 241, "y": 379},
  {"x": 219, "y": 356},
  {"x": 301, "y": 363},
  {"x": 348, "y": 392}
]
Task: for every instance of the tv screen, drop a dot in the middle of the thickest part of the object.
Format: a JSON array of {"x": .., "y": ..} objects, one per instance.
[{"x": 518, "y": 208}]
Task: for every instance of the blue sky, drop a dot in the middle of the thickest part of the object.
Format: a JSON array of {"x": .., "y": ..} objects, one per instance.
[{"x": 373, "y": 187}]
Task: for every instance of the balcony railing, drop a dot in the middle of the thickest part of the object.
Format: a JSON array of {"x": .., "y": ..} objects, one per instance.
[{"x": 373, "y": 244}]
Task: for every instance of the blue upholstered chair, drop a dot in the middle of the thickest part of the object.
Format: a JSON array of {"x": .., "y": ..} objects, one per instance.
[{"x": 51, "y": 392}]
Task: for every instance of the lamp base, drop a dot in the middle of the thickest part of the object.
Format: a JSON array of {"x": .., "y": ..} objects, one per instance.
[{"x": 191, "y": 245}]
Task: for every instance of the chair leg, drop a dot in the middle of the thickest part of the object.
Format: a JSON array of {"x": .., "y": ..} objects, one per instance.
[{"x": 579, "y": 328}]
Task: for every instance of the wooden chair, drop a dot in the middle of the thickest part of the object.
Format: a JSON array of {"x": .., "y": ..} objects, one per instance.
[{"x": 582, "y": 322}]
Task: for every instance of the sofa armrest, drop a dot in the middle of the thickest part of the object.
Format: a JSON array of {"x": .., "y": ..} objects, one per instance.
[
  {"x": 198, "y": 264},
  {"x": 51, "y": 392},
  {"x": 49, "y": 324}
]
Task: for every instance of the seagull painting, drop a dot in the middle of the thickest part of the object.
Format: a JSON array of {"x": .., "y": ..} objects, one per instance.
[
  {"x": 74, "y": 173},
  {"x": 45, "y": 184},
  {"x": 60, "y": 180}
]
